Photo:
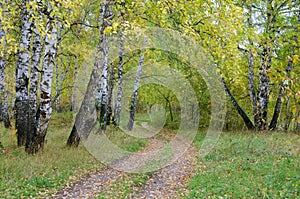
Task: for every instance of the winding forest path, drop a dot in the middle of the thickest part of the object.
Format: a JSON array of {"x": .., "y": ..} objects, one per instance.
[{"x": 168, "y": 182}]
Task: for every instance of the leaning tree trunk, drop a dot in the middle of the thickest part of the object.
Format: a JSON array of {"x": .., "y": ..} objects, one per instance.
[
  {"x": 23, "y": 59},
  {"x": 241, "y": 112},
  {"x": 45, "y": 108},
  {"x": 278, "y": 105},
  {"x": 288, "y": 69},
  {"x": 4, "y": 116},
  {"x": 85, "y": 119},
  {"x": 136, "y": 88},
  {"x": 30, "y": 146},
  {"x": 120, "y": 82}
]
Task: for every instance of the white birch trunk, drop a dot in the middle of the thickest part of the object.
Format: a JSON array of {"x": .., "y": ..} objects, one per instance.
[
  {"x": 263, "y": 92},
  {"x": 23, "y": 59},
  {"x": 46, "y": 83},
  {"x": 118, "y": 105},
  {"x": 33, "y": 92},
  {"x": 4, "y": 116},
  {"x": 105, "y": 18},
  {"x": 136, "y": 87}
]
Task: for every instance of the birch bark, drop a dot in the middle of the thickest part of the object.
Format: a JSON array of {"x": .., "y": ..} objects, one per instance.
[
  {"x": 46, "y": 84},
  {"x": 118, "y": 104},
  {"x": 4, "y": 116},
  {"x": 136, "y": 88},
  {"x": 33, "y": 91},
  {"x": 23, "y": 59}
]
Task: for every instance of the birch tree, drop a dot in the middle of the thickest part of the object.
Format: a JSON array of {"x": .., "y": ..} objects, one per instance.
[
  {"x": 33, "y": 91},
  {"x": 46, "y": 82},
  {"x": 118, "y": 104},
  {"x": 105, "y": 19},
  {"x": 271, "y": 35},
  {"x": 136, "y": 88},
  {"x": 22, "y": 79},
  {"x": 85, "y": 119},
  {"x": 3, "y": 93}
]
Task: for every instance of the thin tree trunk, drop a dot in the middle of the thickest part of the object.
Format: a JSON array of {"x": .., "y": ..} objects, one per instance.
[
  {"x": 73, "y": 106},
  {"x": 23, "y": 59},
  {"x": 4, "y": 116},
  {"x": 46, "y": 85},
  {"x": 57, "y": 86},
  {"x": 84, "y": 120},
  {"x": 278, "y": 105},
  {"x": 136, "y": 88},
  {"x": 59, "y": 75},
  {"x": 118, "y": 105},
  {"x": 60, "y": 78},
  {"x": 110, "y": 93},
  {"x": 288, "y": 115},
  {"x": 241, "y": 112},
  {"x": 33, "y": 92}
]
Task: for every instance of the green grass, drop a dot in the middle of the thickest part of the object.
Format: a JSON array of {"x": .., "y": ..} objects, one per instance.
[
  {"x": 125, "y": 141},
  {"x": 249, "y": 166},
  {"x": 23, "y": 175}
]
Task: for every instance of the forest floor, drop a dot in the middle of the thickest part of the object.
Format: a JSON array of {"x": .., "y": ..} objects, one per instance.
[
  {"x": 169, "y": 182},
  {"x": 241, "y": 165}
]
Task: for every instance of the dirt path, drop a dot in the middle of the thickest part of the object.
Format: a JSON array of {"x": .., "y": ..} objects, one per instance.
[{"x": 169, "y": 182}]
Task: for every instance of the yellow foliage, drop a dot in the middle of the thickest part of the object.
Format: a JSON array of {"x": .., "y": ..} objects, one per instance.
[{"x": 107, "y": 30}]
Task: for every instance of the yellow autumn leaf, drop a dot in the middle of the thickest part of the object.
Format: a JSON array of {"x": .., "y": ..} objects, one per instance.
[{"x": 107, "y": 30}]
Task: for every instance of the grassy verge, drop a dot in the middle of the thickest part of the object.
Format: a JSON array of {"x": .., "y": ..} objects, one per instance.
[
  {"x": 249, "y": 166},
  {"x": 37, "y": 176},
  {"x": 242, "y": 165},
  {"x": 26, "y": 176}
]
